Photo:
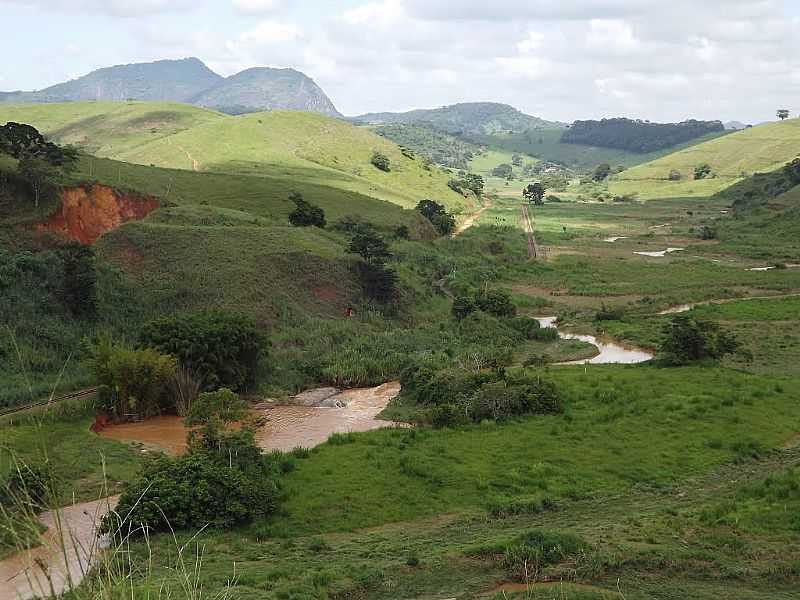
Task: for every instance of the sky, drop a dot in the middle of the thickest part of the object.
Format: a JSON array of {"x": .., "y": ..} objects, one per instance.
[{"x": 663, "y": 60}]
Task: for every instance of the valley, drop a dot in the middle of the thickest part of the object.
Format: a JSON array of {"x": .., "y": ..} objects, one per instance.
[{"x": 321, "y": 364}]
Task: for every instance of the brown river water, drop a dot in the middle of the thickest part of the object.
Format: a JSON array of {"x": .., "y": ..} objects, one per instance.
[
  {"x": 608, "y": 352},
  {"x": 68, "y": 549}
]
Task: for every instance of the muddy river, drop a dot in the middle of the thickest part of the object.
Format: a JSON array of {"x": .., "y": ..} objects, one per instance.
[
  {"x": 67, "y": 551},
  {"x": 609, "y": 352}
]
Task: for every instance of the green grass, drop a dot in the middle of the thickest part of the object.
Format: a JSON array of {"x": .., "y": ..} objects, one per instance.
[
  {"x": 285, "y": 145},
  {"x": 732, "y": 158}
]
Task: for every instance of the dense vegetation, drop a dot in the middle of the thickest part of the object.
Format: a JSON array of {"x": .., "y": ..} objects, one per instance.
[
  {"x": 637, "y": 136},
  {"x": 438, "y": 147}
]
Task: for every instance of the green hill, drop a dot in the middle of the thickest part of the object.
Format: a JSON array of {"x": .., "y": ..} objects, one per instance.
[
  {"x": 465, "y": 118},
  {"x": 294, "y": 146},
  {"x": 732, "y": 158}
]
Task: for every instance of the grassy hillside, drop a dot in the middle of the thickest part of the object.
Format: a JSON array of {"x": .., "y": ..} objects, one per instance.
[
  {"x": 294, "y": 146},
  {"x": 732, "y": 158},
  {"x": 546, "y": 145}
]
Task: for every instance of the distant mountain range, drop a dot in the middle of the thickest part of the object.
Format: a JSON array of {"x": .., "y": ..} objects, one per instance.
[
  {"x": 474, "y": 118},
  {"x": 189, "y": 80}
]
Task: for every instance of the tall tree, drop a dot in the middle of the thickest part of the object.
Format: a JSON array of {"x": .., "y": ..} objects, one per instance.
[
  {"x": 534, "y": 193},
  {"x": 42, "y": 177},
  {"x": 783, "y": 113}
]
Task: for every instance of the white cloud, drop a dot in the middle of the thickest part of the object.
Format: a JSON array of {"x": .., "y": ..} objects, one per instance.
[
  {"x": 257, "y": 7},
  {"x": 115, "y": 8}
]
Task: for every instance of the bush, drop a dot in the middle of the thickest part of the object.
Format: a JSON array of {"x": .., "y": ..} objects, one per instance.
[
  {"x": 223, "y": 403},
  {"x": 436, "y": 213},
  {"x": 131, "y": 381},
  {"x": 532, "y": 330},
  {"x": 381, "y": 161},
  {"x": 378, "y": 282},
  {"x": 607, "y": 313},
  {"x": 497, "y": 303},
  {"x": 463, "y": 306},
  {"x": 222, "y": 348},
  {"x": 675, "y": 175},
  {"x": 306, "y": 214},
  {"x": 708, "y": 232},
  {"x": 690, "y": 340},
  {"x": 28, "y": 485},
  {"x": 702, "y": 171},
  {"x": 193, "y": 491}
]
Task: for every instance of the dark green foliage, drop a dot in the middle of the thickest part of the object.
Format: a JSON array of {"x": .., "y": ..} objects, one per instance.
[
  {"x": 25, "y": 142},
  {"x": 528, "y": 554},
  {"x": 378, "y": 282},
  {"x": 708, "y": 232},
  {"x": 369, "y": 245},
  {"x": 637, "y": 136},
  {"x": 608, "y": 313},
  {"x": 223, "y": 348},
  {"x": 688, "y": 340},
  {"x": 401, "y": 232},
  {"x": 223, "y": 403},
  {"x": 783, "y": 113},
  {"x": 306, "y": 214},
  {"x": 474, "y": 183},
  {"x": 534, "y": 193},
  {"x": 456, "y": 396},
  {"x": 532, "y": 330},
  {"x": 702, "y": 171},
  {"x": 792, "y": 171},
  {"x": 29, "y": 485},
  {"x": 505, "y": 171},
  {"x": 192, "y": 492},
  {"x": 601, "y": 172},
  {"x": 437, "y": 214},
  {"x": 381, "y": 161},
  {"x": 463, "y": 306},
  {"x": 131, "y": 381},
  {"x": 79, "y": 287},
  {"x": 496, "y": 302}
]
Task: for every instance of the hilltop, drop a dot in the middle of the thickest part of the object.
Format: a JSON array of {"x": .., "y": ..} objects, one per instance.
[
  {"x": 463, "y": 119},
  {"x": 290, "y": 145},
  {"x": 731, "y": 158},
  {"x": 189, "y": 80}
]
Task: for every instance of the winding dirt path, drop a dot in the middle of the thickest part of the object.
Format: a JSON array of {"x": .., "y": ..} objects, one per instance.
[
  {"x": 473, "y": 218},
  {"x": 195, "y": 163}
]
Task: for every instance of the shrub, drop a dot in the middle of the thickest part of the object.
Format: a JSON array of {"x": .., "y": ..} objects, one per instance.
[
  {"x": 708, "y": 232},
  {"x": 463, "y": 306},
  {"x": 702, "y": 171},
  {"x": 131, "y": 381},
  {"x": 223, "y": 403},
  {"x": 222, "y": 348},
  {"x": 306, "y": 214},
  {"x": 689, "y": 340},
  {"x": 381, "y": 161},
  {"x": 193, "y": 491},
  {"x": 401, "y": 232},
  {"x": 446, "y": 415},
  {"x": 436, "y": 213},
  {"x": 497, "y": 303},
  {"x": 378, "y": 282},
  {"x": 185, "y": 387},
  {"x": 607, "y": 313},
  {"x": 532, "y": 330},
  {"x": 675, "y": 175},
  {"x": 28, "y": 485}
]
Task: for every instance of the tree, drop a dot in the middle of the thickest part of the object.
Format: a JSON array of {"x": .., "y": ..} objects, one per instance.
[
  {"x": 436, "y": 213},
  {"x": 24, "y": 141},
  {"x": 79, "y": 284},
  {"x": 516, "y": 160},
  {"x": 792, "y": 171},
  {"x": 381, "y": 161},
  {"x": 534, "y": 193},
  {"x": 463, "y": 306},
  {"x": 602, "y": 172},
  {"x": 378, "y": 282},
  {"x": 41, "y": 176},
  {"x": 505, "y": 171},
  {"x": 497, "y": 303},
  {"x": 474, "y": 183},
  {"x": 702, "y": 171},
  {"x": 783, "y": 113},
  {"x": 688, "y": 340},
  {"x": 306, "y": 214},
  {"x": 369, "y": 245}
]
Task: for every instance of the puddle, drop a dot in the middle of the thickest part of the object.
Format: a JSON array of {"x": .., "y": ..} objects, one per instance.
[
  {"x": 31, "y": 573},
  {"x": 609, "y": 353},
  {"x": 762, "y": 268},
  {"x": 611, "y": 240},
  {"x": 286, "y": 427},
  {"x": 660, "y": 254}
]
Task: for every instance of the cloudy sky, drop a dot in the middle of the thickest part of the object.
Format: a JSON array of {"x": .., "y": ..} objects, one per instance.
[{"x": 559, "y": 59}]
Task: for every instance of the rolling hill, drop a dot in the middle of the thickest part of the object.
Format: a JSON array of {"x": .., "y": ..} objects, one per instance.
[
  {"x": 189, "y": 80},
  {"x": 732, "y": 158},
  {"x": 463, "y": 119},
  {"x": 287, "y": 145}
]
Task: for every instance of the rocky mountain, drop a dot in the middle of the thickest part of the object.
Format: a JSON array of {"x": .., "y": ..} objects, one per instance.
[
  {"x": 278, "y": 89},
  {"x": 467, "y": 118},
  {"x": 189, "y": 80}
]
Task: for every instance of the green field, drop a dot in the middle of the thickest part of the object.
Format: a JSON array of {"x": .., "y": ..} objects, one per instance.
[
  {"x": 291, "y": 146},
  {"x": 732, "y": 158}
]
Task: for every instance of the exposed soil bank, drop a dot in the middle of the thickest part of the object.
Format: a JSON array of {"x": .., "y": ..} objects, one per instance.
[
  {"x": 608, "y": 352},
  {"x": 86, "y": 213},
  {"x": 285, "y": 428},
  {"x": 68, "y": 549}
]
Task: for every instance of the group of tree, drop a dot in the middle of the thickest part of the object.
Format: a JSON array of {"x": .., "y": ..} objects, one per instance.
[
  {"x": 442, "y": 221},
  {"x": 688, "y": 340},
  {"x": 637, "y": 136},
  {"x": 378, "y": 281},
  {"x": 40, "y": 163},
  {"x": 467, "y": 182},
  {"x": 497, "y": 303},
  {"x": 504, "y": 171},
  {"x": 436, "y": 146},
  {"x": 381, "y": 162},
  {"x": 703, "y": 171},
  {"x": 305, "y": 214}
]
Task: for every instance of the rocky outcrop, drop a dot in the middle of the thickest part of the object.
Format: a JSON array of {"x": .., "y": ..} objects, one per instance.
[{"x": 86, "y": 213}]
